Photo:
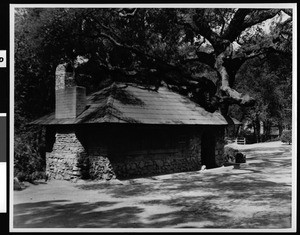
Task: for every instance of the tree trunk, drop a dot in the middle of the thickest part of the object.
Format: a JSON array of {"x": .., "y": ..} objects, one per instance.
[
  {"x": 227, "y": 94},
  {"x": 280, "y": 128},
  {"x": 237, "y": 131},
  {"x": 267, "y": 129},
  {"x": 255, "y": 131},
  {"x": 257, "y": 124}
]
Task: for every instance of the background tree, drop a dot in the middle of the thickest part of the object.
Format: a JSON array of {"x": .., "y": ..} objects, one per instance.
[{"x": 270, "y": 82}]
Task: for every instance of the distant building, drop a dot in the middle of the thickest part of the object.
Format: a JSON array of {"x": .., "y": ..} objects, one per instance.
[
  {"x": 128, "y": 131},
  {"x": 274, "y": 132}
]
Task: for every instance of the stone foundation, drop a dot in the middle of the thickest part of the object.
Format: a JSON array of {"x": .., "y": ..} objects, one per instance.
[
  {"x": 62, "y": 161},
  {"x": 100, "y": 168},
  {"x": 156, "y": 167}
]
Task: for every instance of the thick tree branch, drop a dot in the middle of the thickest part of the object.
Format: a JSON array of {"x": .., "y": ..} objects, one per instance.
[
  {"x": 227, "y": 94},
  {"x": 235, "y": 27},
  {"x": 245, "y": 18},
  {"x": 259, "y": 16}
]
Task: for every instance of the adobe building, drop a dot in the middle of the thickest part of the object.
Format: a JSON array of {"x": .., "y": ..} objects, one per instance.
[{"x": 126, "y": 131}]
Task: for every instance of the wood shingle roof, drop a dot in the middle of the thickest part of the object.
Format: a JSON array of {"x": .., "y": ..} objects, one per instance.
[{"x": 120, "y": 103}]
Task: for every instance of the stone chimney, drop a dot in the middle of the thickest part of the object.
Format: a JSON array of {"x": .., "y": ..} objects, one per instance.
[{"x": 70, "y": 100}]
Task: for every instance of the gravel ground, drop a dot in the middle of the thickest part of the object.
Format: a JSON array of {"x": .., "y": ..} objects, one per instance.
[{"x": 256, "y": 196}]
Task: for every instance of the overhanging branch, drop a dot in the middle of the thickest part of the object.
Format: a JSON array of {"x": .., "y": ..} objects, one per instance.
[
  {"x": 245, "y": 18},
  {"x": 259, "y": 16},
  {"x": 235, "y": 27}
]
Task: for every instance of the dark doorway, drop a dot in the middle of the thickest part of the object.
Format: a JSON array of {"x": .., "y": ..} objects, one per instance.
[{"x": 208, "y": 142}]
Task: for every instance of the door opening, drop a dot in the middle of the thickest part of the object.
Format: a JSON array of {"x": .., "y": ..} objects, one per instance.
[{"x": 208, "y": 144}]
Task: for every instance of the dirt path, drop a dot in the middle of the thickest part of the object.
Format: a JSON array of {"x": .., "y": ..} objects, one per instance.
[{"x": 258, "y": 195}]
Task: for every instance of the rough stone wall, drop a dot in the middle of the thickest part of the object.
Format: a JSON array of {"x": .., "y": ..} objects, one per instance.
[
  {"x": 150, "y": 167},
  {"x": 100, "y": 168},
  {"x": 187, "y": 157},
  {"x": 62, "y": 161}
]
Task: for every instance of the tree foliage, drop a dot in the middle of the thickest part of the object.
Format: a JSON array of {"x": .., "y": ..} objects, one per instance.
[
  {"x": 146, "y": 46},
  {"x": 286, "y": 136}
]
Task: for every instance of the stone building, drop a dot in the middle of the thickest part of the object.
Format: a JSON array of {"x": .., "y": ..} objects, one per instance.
[{"x": 127, "y": 131}]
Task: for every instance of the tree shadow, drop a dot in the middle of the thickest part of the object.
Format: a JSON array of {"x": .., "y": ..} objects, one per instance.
[
  {"x": 199, "y": 212},
  {"x": 62, "y": 214},
  {"x": 196, "y": 209}
]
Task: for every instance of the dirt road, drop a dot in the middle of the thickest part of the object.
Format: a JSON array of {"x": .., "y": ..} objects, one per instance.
[{"x": 256, "y": 196}]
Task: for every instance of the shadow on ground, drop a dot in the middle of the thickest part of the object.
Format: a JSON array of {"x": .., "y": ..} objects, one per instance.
[
  {"x": 206, "y": 199},
  {"x": 60, "y": 214},
  {"x": 63, "y": 214}
]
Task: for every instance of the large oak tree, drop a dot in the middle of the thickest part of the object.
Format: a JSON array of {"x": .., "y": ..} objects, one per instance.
[{"x": 150, "y": 45}]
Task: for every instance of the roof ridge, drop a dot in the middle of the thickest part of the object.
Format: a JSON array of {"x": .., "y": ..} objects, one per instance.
[{"x": 109, "y": 105}]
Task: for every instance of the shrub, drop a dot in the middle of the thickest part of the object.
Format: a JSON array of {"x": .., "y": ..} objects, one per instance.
[
  {"x": 29, "y": 155},
  {"x": 273, "y": 139},
  {"x": 286, "y": 136},
  {"x": 232, "y": 155},
  {"x": 229, "y": 140}
]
